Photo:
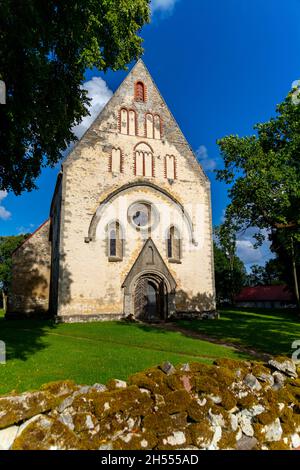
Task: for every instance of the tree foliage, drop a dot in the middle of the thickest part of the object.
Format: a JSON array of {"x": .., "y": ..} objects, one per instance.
[
  {"x": 46, "y": 47},
  {"x": 263, "y": 171},
  {"x": 270, "y": 274},
  {"x": 230, "y": 272},
  {"x": 284, "y": 245},
  {"x": 7, "y": 245}
]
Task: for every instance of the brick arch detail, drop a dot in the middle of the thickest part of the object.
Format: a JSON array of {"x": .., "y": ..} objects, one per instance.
[
  {"x": 145, "y": 92},
  {"x": 128, "y": 187}
]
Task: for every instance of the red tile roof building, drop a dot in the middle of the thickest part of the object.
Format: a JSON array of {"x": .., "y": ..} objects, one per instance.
[{"x": 265, "y": 297}]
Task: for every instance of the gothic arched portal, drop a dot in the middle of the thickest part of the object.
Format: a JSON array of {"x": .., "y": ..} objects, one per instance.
[
  {"x": 150, "y": 298},
  {"x": 149, "y": 288}
]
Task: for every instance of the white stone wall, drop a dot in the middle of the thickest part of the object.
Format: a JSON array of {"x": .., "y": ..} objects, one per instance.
[{"x": 88, "y": 282}]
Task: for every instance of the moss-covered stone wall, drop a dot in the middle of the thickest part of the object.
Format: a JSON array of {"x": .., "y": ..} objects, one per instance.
[{"x": 228, "y": 405}]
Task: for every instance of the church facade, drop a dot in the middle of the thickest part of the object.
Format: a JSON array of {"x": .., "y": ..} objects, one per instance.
[{"x": 130, "y": 229}]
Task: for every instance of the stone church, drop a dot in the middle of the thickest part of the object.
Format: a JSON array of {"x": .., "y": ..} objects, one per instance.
[{"x": 130, "y": 229}]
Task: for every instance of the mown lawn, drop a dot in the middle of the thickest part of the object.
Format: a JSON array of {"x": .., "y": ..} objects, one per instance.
[
  {"x": 268, "y": 331},
  {"x": 41, "y": 351}
]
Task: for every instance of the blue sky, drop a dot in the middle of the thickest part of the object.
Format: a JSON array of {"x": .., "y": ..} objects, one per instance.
[{"x": 221, "y": 66}]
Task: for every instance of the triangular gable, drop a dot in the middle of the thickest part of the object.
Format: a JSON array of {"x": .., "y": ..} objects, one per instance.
[
  {"x": 149, "y": 259},
  {"x": 32, "y": 235},
  {"x": 113, "y": 104},
  {"x": 197, "y": 166}
]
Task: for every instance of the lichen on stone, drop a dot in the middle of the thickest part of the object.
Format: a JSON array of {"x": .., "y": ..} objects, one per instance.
[
  {"x": 44, "y": 434},
  {"x": 177, "y": 401},
  {"x": 202, "y": 406},
  {"x": 201, "y": 434}
]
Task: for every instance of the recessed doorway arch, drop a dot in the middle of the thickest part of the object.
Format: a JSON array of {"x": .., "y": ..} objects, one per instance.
[
  {"x": 150, "y": 298},
  {"x": 149, "y": 287}
]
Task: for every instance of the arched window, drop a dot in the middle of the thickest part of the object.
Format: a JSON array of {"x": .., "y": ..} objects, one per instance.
[
  {"x": 174, "y": 245},
  {"x": 124, "y": 121},
  {"x": 149, "y": 126},
  {"x": 170, "y": 167},
  {"x": 153, "y": 126},
  {"x": 144, "y": 160},
  {"x": 157, "y": 127},
  {"x": 114, "y": 242},
  {"x": 128, "y": 122},
  {"x": 139, "y": 92},
  {"x": 148, "y": 164},
  {"x": 132, "y": 122},
  {"x": 116, "y": 161},
  {"x": 139, "y": 163}
]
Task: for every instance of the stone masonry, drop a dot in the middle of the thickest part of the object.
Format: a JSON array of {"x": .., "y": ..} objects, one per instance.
[
  {"x": 91, "y": 193},
  {"x": 31, "y": 274}
]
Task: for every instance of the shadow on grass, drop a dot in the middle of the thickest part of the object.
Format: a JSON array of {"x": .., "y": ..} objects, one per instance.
[
  {"x": 255, "y": 330},
  {"x": 258, "y": 329},
  {"x": 190, "y": 330},
  {"x": 24, "y": 337}
]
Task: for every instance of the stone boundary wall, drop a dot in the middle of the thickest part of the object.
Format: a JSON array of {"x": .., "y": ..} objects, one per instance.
[{"x": 233, "y": 405}]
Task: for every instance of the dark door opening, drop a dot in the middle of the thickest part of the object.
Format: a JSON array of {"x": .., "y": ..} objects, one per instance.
[{"x": 150, "y": 302}]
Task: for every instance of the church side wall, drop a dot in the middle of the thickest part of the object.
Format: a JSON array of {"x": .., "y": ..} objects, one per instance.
[
  {"x": 31, "y": 274},
  {"x": 55, "y": 229}
]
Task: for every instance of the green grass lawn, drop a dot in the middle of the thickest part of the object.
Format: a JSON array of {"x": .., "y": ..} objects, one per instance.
[
  {"x": 268, "y": 331},
  {"x": 41, "y": 351}
]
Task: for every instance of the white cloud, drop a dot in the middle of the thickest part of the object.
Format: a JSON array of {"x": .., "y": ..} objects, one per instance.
[
  {"x": 162, "y": 5},
  {"x": 208, "y": 164},
  {"x": 4, "y": 213},
  {"x": 223, "y": 216},
  {"x": 296, "y": 88},
  {"x": 100, "y": 94},
  {"x": 246, "y": 251},
  {"x": 23, "y": 230},
  {"x": 245, "y": 248}
]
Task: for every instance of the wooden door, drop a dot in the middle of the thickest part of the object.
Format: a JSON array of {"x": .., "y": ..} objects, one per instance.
[{"x": 140, "y": 299}]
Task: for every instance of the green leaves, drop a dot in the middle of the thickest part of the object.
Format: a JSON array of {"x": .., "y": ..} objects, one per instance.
[
  {"x": 46, "y": 48},
  {"x": 263, "y": 171},
  {"x": 230, "y": 272},
  {"x": 7, "y": 246}
]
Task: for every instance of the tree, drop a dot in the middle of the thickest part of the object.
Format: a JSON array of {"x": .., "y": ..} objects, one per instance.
[
  {"x": 282, "y": 244},
  {"x": 263, "y": 171},
  {"x": 268, "y": 275},
  {"x": 274, "y": 273},
  {"x": 46, "y": 48},
  {"x": 7, "y": 246},
  {"x": 230, "y": 272},
  {"x": 257, "y": 276}
]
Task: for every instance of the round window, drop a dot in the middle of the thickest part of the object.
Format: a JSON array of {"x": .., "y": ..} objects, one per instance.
[
  {"x": 140, "y": 218},
  {"x": 140, "y": 215}
]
